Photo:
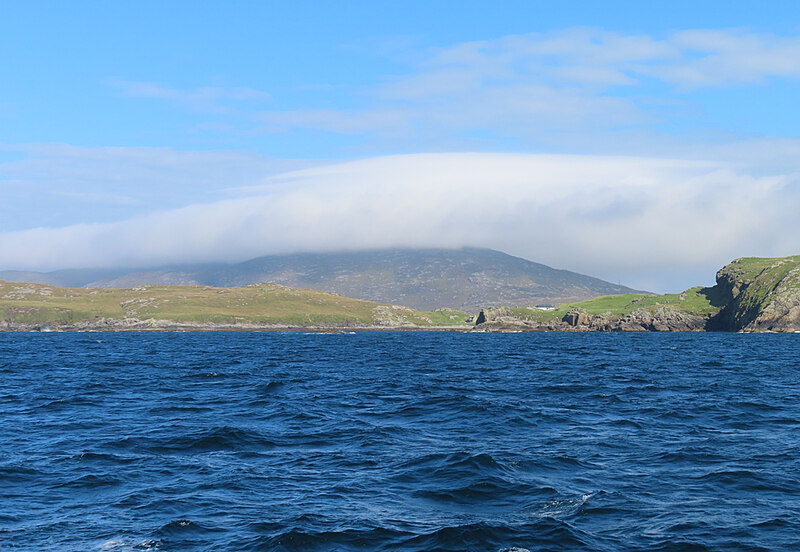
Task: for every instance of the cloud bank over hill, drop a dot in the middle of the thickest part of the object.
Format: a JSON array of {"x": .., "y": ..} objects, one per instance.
[{"x": 654, "y": 223}]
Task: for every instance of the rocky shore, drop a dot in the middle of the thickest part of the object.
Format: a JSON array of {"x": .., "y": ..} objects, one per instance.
[
  {"x": 150, "y": 324},
  {"x": 662, "y": 319}
]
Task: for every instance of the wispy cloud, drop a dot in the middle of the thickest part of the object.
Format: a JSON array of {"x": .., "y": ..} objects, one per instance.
[
  {"x": 209, "y": 98},
  {"x": 727, "y": 58},
  {"x": 603, "y": 59},
  {"x": 533, "y": 89},
  {"x": 647, "y": 219},
  {"x": 563, "y": 81}
]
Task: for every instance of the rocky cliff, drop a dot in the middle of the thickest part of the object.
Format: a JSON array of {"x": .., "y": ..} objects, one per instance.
[
  {"x": 760, "y": 294},
  {"x": 661, "y": 319}
]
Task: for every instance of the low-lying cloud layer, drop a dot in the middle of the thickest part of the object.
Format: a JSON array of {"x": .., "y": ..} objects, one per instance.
[{"x": 650, "y": 223}]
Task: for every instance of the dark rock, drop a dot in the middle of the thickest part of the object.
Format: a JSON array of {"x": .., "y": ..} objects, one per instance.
[{"x": 576, "y": 317}]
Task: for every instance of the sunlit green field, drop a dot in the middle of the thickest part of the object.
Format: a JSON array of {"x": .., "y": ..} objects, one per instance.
[
  {"x": 697, "y": 300},
  {"x": 256, "y": 304}
]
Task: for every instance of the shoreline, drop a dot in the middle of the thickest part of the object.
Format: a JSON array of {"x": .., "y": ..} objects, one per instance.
[
  {"x": 166, "y": 326},
  {"x": 186, "y": 328}
]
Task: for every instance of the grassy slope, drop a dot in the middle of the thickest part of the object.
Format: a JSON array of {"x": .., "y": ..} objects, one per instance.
[
  {"x": 258, "y": 304},
  {"x": 749, "y": 268},
  {"x": 695, "y": 300}
]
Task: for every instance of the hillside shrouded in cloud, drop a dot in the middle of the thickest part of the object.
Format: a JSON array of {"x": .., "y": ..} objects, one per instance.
[{"x": 649, "y": 219}]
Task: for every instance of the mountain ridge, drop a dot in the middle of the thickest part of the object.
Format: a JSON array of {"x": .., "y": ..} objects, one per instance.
[{"x": 423, "y": 279}]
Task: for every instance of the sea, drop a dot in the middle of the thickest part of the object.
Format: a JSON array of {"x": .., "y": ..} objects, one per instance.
[{"x": 399, "y": 441}]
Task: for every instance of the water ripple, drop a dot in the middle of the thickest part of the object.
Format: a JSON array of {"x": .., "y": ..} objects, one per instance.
[{"x": 393, "y": 441}]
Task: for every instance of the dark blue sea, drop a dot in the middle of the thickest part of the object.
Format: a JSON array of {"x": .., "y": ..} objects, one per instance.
[{"x": 397, "y": 441}]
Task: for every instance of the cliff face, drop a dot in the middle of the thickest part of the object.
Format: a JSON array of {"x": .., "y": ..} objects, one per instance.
[{"x": 760, "y": 294}]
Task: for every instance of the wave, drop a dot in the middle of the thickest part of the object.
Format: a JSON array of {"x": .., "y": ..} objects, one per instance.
[
  {"x": 214, "y": 439},
  {"x": 399, "y": 442},
  {"x": 18, "y": 473},
  {"x": 89, "y": 481},
  {"x": 220, "y": 438}
]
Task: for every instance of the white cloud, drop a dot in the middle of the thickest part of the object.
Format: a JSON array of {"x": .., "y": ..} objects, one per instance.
[{"x": 647, "y": 221}]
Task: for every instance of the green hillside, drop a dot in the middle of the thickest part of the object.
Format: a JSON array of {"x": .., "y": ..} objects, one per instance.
[
  {"x": 261, "y": 304},
  {"x": 697, "y": 300}
]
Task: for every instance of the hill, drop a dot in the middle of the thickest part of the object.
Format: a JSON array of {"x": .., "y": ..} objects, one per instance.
[
  {"x": 424, "y": 279},
  {"x": 751, "y": 294},
  {"x": 262, "y": 306}
]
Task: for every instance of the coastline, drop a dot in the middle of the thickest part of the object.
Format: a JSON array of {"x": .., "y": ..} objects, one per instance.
[
  {"x": 151, "y": 325},
  {"x": 751, "y": 295},
  {"x": 147, "y": 326}
]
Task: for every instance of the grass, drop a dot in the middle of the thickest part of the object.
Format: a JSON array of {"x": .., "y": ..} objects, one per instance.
[
  {"x": 257, "y": 304},
  {"x": 697, "y": 300},
  {"x": 749, "y": 268}
]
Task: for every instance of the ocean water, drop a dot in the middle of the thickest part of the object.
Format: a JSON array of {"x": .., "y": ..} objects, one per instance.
[{"x": 399, "y": 441}]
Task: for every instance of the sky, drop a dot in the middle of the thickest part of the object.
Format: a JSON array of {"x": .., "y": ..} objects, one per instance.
[{"x": 646, "y": 143}]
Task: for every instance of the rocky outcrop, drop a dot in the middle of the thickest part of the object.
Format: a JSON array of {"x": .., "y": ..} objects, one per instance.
[
  {"x": 576, "y": 317},
  {"x": 661, "y": 319},
  {"x": 151, "y": 324},
  {"x": 394, "y": 316}
]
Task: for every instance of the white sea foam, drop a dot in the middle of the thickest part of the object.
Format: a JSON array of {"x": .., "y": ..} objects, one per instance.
[
  {"x": 555, "y": 508},
  {"x": 122, "y": 546}
]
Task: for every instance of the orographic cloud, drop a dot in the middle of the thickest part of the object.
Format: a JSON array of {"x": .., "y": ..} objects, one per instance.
[{"x": 640, "y": 220}]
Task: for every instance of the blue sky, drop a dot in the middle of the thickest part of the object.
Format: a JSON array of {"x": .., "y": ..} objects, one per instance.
[{"x": 112, "y": 114}]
